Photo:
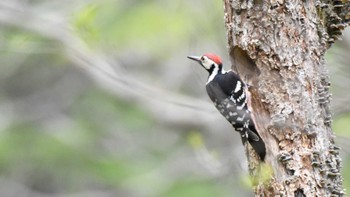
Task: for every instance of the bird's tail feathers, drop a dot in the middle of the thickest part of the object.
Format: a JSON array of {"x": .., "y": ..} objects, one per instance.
[
  {"x": 259, "y": 147},
  {"x": 255, "y": 141},
  {"x": 252, "y": 136}
]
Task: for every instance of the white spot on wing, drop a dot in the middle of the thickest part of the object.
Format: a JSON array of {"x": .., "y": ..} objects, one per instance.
[
  {"x": 241, "y": 107},
  {"x": 241, "y": 118},
  {"x": 238, "y": 86},
  {"x": 246, "y": 124},
  {"x": 241, "y": 97},
  {"x": 232, "y": 99},
  {"x": 233, "y": 114}
]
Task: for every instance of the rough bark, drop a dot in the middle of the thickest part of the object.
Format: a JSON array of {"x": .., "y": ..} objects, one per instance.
[{"x": 278, "y": 48}]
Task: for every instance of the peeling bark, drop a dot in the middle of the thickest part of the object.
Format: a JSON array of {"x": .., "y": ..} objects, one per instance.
[{"x": 278, "y": 48}]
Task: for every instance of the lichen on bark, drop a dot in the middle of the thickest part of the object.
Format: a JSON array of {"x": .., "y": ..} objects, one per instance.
[{"x": 278, "y": 47}]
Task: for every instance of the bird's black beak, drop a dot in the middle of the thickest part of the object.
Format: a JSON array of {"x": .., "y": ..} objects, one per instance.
[{"x": 195, "y": 58}]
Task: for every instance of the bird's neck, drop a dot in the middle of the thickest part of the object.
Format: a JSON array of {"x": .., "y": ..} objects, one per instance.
[{"x": 216, "y": 70}]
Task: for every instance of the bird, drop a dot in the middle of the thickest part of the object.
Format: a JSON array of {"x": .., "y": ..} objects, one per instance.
[{"x": 228, "y": 93}]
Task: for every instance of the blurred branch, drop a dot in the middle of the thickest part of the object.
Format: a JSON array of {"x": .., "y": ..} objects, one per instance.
[{"x": 165, "y": 106}]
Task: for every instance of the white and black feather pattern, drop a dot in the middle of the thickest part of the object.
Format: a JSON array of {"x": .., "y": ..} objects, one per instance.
[{"x": 227, "y": 91}]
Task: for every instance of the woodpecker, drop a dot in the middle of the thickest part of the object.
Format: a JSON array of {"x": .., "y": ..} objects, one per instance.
[{"x": 228, "y": 93}]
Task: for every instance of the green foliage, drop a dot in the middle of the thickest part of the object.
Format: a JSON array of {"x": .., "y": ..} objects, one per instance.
[
  {"x": 96, "y": 109},
  {"x": 341, "y": 125},
  {"x": 68, "y": 159},
  {"x": 121, "y": 25},
  {"x": 84, "y": 22},
  {"x": 346, "y": 172},
  {"x": 195, "y": 140},
  {"x": 194, "y": 188},
  {"x": 34, "y": 156},
  {"x": 89, "y": 139}
]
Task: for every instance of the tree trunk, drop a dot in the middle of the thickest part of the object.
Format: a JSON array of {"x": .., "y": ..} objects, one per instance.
[{"x": 278, "y": 48}]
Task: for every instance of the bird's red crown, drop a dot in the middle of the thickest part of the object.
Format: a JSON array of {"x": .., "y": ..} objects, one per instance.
[{"x": 214, "y": 57}]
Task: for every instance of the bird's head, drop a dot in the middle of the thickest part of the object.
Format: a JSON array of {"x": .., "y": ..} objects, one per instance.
[{"x": 208, "y": 61}]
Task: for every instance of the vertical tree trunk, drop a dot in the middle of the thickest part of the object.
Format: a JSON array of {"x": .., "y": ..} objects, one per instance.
[{"x": 278, "y": 48}]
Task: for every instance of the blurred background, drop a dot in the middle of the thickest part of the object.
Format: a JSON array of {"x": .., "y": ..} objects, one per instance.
[{"x": 97, "y": 98}]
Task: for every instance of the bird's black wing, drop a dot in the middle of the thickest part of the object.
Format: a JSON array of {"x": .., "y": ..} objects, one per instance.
[{"x": 237, "y": 115}]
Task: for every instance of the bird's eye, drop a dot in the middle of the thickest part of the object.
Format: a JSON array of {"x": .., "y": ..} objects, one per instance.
[{"x": 202, "y": 58}]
